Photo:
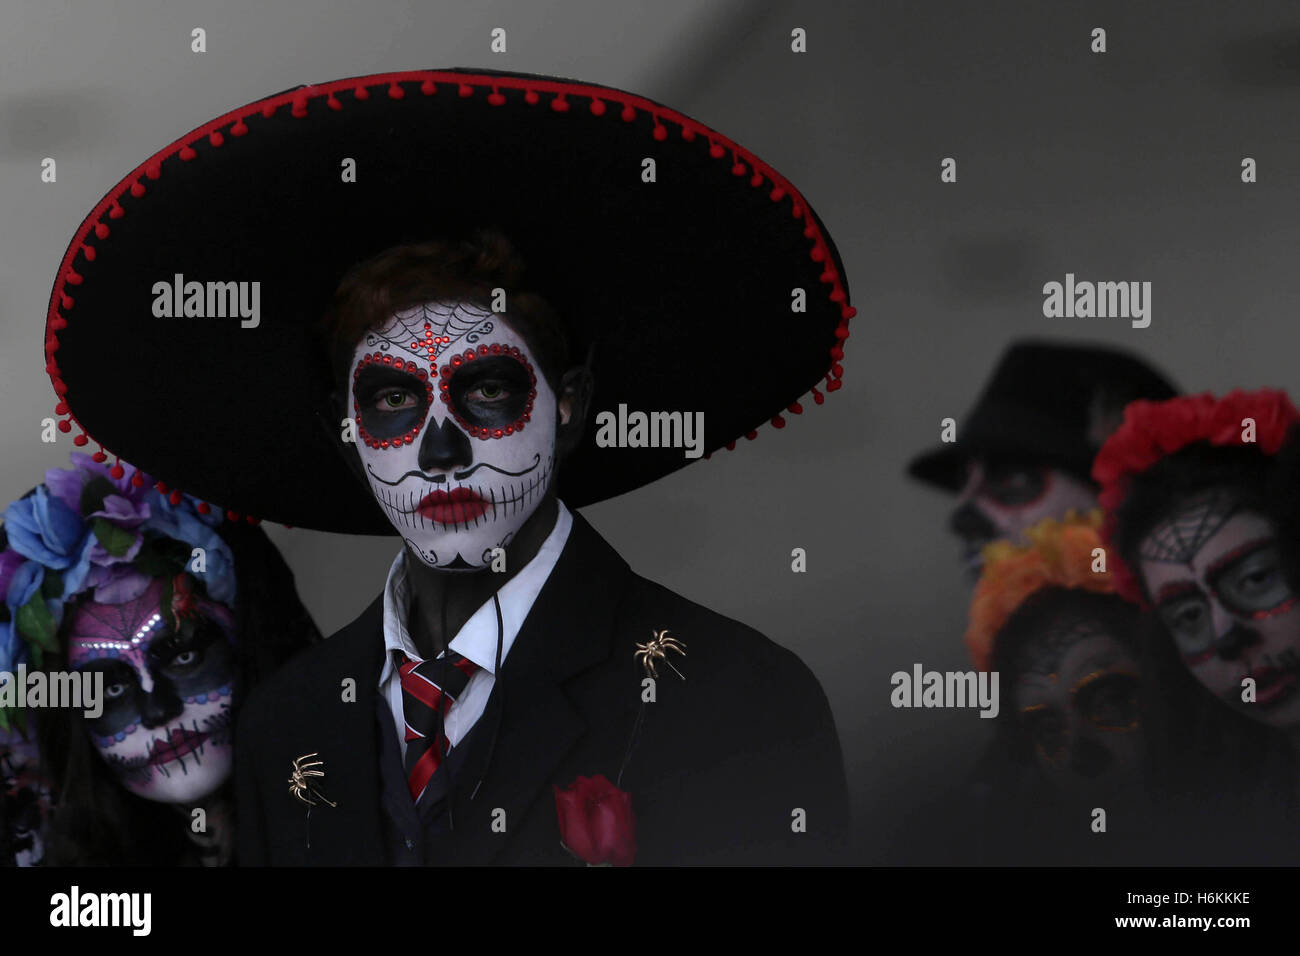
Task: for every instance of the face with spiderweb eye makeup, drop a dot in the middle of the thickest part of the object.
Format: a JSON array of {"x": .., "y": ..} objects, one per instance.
[
  {"x": 1214, "y": 573},
  {"x": 456, "y": 430},
  {"x": 165, "y": 730}
]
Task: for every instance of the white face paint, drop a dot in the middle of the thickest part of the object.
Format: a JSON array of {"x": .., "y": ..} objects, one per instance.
[{"x": 456, "y": 430}]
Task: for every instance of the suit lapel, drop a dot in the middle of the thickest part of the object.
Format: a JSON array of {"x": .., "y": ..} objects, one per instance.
[
  {"x": 568, "y": 630},
  {"x": 343, "y": 733}
]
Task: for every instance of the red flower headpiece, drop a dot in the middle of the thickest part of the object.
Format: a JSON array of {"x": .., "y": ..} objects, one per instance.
[{"x": 1154, "y": 430}]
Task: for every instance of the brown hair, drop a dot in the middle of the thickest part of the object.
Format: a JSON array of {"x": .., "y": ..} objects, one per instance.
[{"x": 443, "y": 270}]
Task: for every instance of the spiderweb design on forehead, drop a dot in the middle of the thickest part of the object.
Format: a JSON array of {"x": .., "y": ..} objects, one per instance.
[
  {"x": 429, "y": 330},
  {"x": 130, "y": 621},
  {"x": 1177, "y": 539},
  {"x": 1042, "y": 653}
]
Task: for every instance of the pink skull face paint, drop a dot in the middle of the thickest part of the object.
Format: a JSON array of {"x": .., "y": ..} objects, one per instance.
[
  {"x": 168, "y": 693},
  {"x": 1001, "y": 500},
  {"x": 1215, "y": 576},
  {"x": 456, "y": 429}
]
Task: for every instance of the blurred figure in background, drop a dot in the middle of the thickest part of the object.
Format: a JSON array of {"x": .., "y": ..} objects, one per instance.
[
  {"x": 1025, "y": 451},
  {"x": 1069, "y": 736}
]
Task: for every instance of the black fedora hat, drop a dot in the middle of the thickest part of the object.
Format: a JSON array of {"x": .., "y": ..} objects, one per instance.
[
  {"x": 1047, "y": 403},
  {"x": 683, "y": 285}
]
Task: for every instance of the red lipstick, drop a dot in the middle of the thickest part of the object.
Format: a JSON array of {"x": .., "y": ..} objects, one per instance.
[
  {"x": 181, "y": 742},
  {"x": 458, "y": 506}
]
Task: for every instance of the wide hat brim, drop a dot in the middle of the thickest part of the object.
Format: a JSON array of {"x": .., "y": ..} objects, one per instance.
[{"x": 685, "y": 285}]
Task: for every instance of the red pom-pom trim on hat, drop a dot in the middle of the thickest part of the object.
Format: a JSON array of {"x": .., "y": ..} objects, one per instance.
[{"x": 743, "y": 164}]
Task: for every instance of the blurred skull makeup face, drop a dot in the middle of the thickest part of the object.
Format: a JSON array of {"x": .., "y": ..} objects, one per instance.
[
  {"x": 168, "y": 694},
  {"x": 1076, "y": 699},
  {"x": 456, "y": 430},
  {"x": 1001, "y": 500},
  {"x": 1214, "y": 574}
]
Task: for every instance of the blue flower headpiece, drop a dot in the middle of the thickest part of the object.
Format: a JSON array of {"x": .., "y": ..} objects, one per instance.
[{"x": 85, "y": 531}]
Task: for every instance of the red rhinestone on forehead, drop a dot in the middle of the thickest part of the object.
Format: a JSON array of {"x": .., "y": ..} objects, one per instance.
[{"x": 429, "y": 344}]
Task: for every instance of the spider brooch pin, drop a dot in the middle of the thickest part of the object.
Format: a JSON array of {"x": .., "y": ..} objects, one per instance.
[
  {"x": 301, "y": 783},
  {"x": 656, "y": 650}
]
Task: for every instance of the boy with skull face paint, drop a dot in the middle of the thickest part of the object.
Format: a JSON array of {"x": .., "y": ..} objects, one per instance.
[{"x": 512, "y": 651}]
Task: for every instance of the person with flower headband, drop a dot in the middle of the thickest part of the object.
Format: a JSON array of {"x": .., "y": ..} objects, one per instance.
[
  {"x": 1199, "y": 493},
  {"x": 178, "y": 612},
  {"x": 1047, "y": 618}
]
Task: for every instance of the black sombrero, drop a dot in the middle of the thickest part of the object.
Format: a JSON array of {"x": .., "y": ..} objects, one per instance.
[{"x": 685, "y": 284}]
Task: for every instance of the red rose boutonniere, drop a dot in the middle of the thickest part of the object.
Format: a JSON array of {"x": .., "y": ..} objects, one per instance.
[{"x": 596, "y": 822}]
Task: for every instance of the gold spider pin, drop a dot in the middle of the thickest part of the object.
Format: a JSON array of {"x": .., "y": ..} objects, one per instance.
[
  {"x": 301, "y": 781},
  {"x": 656, "y": 650}
]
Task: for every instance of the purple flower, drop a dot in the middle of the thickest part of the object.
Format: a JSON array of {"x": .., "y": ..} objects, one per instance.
[
  {"x": 117, "y": 584},
  {"x": 123, "y": 512}
]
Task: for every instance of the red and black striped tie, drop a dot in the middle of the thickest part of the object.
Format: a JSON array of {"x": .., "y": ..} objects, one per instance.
[{"x": 429, "y": 688}]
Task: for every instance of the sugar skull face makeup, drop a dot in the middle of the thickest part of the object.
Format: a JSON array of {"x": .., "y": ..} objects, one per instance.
[
  {"x": 1077, "y": 701},
  {"x": 456, "y": 430},
  {"x": 168, "y": 693},
  {"x": 1001, "y": 500},
  {"x": 1214, "y": 574}
]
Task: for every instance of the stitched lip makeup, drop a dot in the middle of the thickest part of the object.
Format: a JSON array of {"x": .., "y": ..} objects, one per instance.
[
  {"x": 179, "y": 744},
  {"x": 458, "y": 506}
]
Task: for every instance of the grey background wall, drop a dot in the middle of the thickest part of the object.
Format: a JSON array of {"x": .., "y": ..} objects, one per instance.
[{"x": 1119, "y": 166}]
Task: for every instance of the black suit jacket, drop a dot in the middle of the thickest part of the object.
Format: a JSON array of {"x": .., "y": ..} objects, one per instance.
[{"x": 725, "y": 767}]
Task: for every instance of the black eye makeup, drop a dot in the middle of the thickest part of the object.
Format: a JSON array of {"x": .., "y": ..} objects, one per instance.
[
  {"x": 1013, "y": 486},
  {"x": 1250, "y": 580},
  {"x": 197, "y": 659},
  {"x": 490, "y": 391},
  {"x": 1185, "y": 611},
  {"x": 123, "y": 698},
  {"x": 391, "y": 398},
  {"x": 1109, "y": 700}
]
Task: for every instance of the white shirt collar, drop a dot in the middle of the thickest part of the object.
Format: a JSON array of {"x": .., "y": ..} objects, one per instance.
[{"x": 477, "y": 639}]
